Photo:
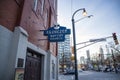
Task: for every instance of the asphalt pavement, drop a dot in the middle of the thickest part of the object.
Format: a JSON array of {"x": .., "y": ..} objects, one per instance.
[{"x": 92, "y": 75}]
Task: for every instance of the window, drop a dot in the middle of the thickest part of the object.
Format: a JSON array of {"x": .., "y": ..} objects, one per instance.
[
  {"x": 46, "y": 19},
  {"x": 35, "y": 5},
  {"x": 42, "y": 6},
  {"x": 54, "y": 4}
]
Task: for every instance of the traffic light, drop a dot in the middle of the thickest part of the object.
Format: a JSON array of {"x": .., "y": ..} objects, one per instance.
[
  {"x": 72, "y": 49},
  {"x": 115, "y": 38},
  {"x": 72, "y": 57}
]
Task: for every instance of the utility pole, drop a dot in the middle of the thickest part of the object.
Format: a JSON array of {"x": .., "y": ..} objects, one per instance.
[{"x": 114, "y": 61}]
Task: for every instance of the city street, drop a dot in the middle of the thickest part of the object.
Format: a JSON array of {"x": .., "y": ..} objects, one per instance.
[
  {"x": 92, "y": 75},
  {"x": 59, "y": 40}
]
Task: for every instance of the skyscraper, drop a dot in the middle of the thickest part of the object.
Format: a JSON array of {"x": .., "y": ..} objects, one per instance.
[
  {"x": 64, "y": 52},
  {"x": 101, "y": 55}
]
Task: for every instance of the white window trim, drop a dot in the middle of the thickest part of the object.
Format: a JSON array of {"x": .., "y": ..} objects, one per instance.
[
  {"x": 42, "y": 6},
  {"x": 54, "y": 4},
  {"x": 46, "y": 18},
  {"x": 35, "y": 5}
]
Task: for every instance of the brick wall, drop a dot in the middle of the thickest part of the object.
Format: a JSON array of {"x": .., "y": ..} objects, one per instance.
[
  {"x": 20, "y": 13},
  {"x": 9, "y": 13}
]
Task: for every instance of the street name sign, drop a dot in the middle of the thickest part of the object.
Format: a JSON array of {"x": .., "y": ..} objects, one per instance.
[
  {"x": 97, "y": 40},
  {"x": 56, "y": 34}
]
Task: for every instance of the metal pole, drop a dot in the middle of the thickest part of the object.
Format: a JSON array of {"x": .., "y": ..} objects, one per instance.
[
  {"x": 83, "y": 18},
  {"x": 74, "y": 42}
]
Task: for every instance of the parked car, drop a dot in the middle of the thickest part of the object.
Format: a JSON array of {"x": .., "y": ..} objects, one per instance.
[
  {"x": 118, "y": 69},
  {"x": 80, "y": 70},
  {"x": 69, "y": 72},
  {"x": 107, "y": 69}
]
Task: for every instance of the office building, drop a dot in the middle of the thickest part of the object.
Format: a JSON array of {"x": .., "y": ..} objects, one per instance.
[{"x": 64, "y": 52}]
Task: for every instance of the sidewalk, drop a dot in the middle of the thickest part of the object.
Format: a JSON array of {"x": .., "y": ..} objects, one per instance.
[{"x": 66, "y": 77}]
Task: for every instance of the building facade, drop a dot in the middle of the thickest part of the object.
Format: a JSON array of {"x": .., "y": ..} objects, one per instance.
[
  {"x": 64, "y": 53},
  {"x": 101, "y": 56},
  {"x": 25, "y": 53}
]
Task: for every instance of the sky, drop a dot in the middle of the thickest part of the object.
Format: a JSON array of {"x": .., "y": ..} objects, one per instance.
[{"x": 105, "y": 21}]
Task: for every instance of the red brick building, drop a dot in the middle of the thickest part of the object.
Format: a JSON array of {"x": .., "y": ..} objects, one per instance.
[{"x": 23, "y": 47}]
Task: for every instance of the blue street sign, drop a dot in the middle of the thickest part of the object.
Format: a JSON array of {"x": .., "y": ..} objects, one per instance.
[{"x": 56, "y": 34}]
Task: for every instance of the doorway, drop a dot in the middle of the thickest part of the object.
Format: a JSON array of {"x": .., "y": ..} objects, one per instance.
[{"x": 33, "y": 66}]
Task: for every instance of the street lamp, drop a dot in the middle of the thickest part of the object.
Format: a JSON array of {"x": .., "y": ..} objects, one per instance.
[
  {"x": 74, "y": 39},
  {"x": 83, "y": 18}
]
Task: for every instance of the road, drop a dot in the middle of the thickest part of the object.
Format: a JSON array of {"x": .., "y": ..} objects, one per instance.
[{"x": 92, "y": 75}]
